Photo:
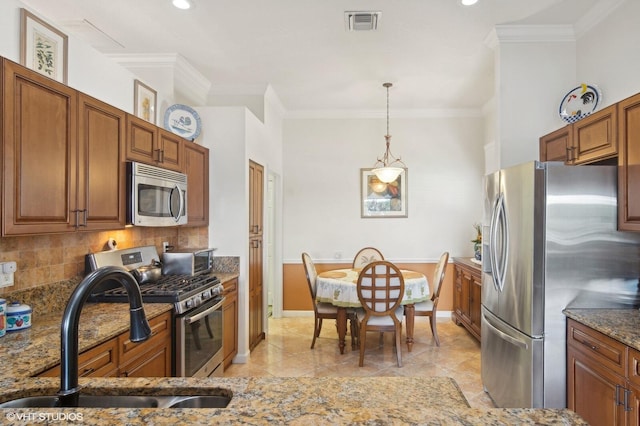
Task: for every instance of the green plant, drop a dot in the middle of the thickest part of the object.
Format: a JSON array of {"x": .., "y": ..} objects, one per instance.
[{"x": 478, "y": 240}]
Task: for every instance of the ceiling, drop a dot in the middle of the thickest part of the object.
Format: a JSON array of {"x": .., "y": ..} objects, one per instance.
[{"x": 433, "y": 51}]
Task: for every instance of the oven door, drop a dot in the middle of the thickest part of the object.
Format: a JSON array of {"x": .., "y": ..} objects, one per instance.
[{"x": 199, "y": 341}]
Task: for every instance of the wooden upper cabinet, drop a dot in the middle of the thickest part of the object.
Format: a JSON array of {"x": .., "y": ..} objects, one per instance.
[
  {"x": 595, "y": 137},
  {"x": 629, "y": 164},
  {"x": 149, "y": 144},
  {"x": 197, "y": 171},
  {"x": 171, "y": 150},
  {"x": 101, "y": 172},
  {"x": 556, "y": 145},
  {"x": 40, "y": 153}
]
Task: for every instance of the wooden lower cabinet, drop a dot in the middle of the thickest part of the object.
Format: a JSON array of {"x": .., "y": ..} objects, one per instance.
[
  {"x": 467, "y": 295},
  {"x": 601, "y": 385},
  {"x": 121, "y": 357},
  {"x": 151, "y": 358},
  {"x": 230, "y": 321},
  {"x": 99, "y": 361}
]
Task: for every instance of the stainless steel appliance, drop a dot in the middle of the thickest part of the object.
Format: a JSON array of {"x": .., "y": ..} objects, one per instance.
[
  {"x": 188, "y": 261},
  {"x": 549, "y": 241},
  {"x": 197, "y": 299},
  {"x": 155, "y": 196}
]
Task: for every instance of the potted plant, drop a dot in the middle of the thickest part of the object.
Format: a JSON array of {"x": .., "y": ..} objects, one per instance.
[{"x": 477, "y": 242}]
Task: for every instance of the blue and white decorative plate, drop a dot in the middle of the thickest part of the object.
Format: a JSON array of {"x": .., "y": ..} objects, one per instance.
[
  {"x": 183, "y": 120},
  {"x": 580, "y": 102}
]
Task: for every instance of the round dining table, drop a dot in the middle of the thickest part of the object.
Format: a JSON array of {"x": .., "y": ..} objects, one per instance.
[{"x": 339, "y": 287}]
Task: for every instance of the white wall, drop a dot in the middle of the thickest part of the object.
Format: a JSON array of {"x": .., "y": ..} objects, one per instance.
[
  {"x": 607, "y": 55},
  {"x": 322, "y": 161},
  {"x": 88, "y": 70},
  {"x": 234, "y": 136},
  {"x": 533, "y": 78}
]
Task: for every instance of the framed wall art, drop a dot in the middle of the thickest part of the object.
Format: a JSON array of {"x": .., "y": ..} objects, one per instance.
[
  {"x": 379, "y": 199},
  {"x": 144, "y": 101},
  {"x": 43, "y": 48}
]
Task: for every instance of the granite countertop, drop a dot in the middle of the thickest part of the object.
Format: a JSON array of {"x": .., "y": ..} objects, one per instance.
[
  {"x": 259, "y": 400},
  {"x": 301, "y": 400},
  {"x": 31, "y": 351},
  {"x": 619, "y": 324}
]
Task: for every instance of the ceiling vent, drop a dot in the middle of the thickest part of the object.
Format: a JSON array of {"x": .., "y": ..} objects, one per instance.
[{"x": 362, "y": 21}]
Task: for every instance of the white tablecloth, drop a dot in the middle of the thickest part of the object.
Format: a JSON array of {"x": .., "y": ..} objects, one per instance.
[{"x": 339, "y": 287}]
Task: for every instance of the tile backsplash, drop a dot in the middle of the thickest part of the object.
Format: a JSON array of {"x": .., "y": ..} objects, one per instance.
[{"x": 49, "y": 259}]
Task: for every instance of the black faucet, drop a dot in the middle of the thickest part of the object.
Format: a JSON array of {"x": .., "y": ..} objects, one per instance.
[{"x": 139, "y": 329}]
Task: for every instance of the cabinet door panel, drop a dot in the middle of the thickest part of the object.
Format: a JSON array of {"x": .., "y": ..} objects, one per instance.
[
  {"x": 39, "y": 149},
  {"x": 101, "y": 170},
  {"x": 595, "y": 137},
  {"x": 171, "y": 146},
  {"x": 593, "y": 392},
  {"x": 230, "y": 321},
  {"x": 554, "y": 146},
  {"x": 629, "y": 164},
  {"x": 197, "y": 170},
  {"x": 142, "y": 141}
]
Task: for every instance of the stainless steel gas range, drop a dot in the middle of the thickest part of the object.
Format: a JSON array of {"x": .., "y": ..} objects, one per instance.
[{"x": 197, "y": 301}]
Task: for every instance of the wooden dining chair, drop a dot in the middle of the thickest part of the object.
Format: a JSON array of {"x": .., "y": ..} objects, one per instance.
[
  {"x": 323, "y": 310},
  {"x": 429, "y": 308},
  {"x": 380, "y": 291},
  {"x": 366, "y": 256}
]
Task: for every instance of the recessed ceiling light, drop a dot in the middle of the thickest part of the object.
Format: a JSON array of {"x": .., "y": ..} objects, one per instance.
[
  {"x": 182, "y": 4},
  {"x": 468, "y": 2}
]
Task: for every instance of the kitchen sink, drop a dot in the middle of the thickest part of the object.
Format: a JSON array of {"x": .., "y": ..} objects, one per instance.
[{"x": 125, "y": 401}]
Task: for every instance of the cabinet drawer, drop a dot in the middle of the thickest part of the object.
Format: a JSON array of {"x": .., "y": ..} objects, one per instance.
[
  {"x": 597, "y": 346},
  {"x": 230, "y": 287},
  {"x": 160, "y": 328},
  {"x": 100, "y": 361}
]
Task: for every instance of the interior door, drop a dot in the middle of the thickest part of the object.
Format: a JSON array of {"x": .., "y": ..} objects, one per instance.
[{"x": 256, "y": 263}]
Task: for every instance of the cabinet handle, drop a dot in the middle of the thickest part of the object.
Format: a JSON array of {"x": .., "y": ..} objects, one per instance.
[
  {"x": 618, "y": 395},
  {"x": 86, "y": 372},
  {"x": 590, "y": 345},
  {"x": 158, "y": 155},
  {"x": 76, "y": 225},
  {"x": 84, "y": 217},
  {"x": 626, "y": 400}
]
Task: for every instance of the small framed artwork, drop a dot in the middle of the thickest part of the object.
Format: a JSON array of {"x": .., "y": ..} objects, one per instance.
[
  {"x": 43, "y": 48},
  {"x": 144, "y": 101},
  {"x": 381, "y": 199}
]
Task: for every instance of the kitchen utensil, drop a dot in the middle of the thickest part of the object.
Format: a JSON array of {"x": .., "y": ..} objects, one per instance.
[{"x": 148, "y": 273}]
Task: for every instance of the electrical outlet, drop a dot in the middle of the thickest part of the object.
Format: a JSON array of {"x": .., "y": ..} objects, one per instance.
[
  {"x": 6, "y": 280},
  {"x": 6, "y": 273},
  {"x": 337, "y": 255}
]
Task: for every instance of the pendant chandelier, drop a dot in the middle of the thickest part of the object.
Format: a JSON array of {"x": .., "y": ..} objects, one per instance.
[{"x": 388, "y": 168}]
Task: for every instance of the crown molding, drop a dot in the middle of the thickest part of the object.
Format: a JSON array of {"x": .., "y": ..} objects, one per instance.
[{"x": 186, "y": 79}]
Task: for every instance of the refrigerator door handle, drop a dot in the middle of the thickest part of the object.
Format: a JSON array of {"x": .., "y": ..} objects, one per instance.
[
  {"x": 504, "y": 336},
  {"x": 498, "y": 219}
]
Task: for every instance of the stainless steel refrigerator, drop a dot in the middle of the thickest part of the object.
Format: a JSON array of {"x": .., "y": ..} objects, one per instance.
[{"x": 549, "y": 241}]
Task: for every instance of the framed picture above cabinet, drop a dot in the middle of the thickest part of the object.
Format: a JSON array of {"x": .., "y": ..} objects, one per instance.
[
  {"x": 144, "y": 101},
  {"x": 43, "y": 48}
]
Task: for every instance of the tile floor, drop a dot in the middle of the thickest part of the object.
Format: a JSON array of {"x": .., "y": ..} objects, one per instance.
[{"x": 286, "y": 353}]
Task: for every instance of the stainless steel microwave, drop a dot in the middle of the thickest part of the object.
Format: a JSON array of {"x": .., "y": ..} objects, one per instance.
[{"x": 155, "y": 196}]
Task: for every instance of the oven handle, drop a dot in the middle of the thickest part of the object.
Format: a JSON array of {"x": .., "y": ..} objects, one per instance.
[{"x": 204, "y": 313}]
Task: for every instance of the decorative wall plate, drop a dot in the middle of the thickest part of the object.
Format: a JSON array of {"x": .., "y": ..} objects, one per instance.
[
  {"x": 183, "y": 120},
  {"x": 579, "y": 102}
]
